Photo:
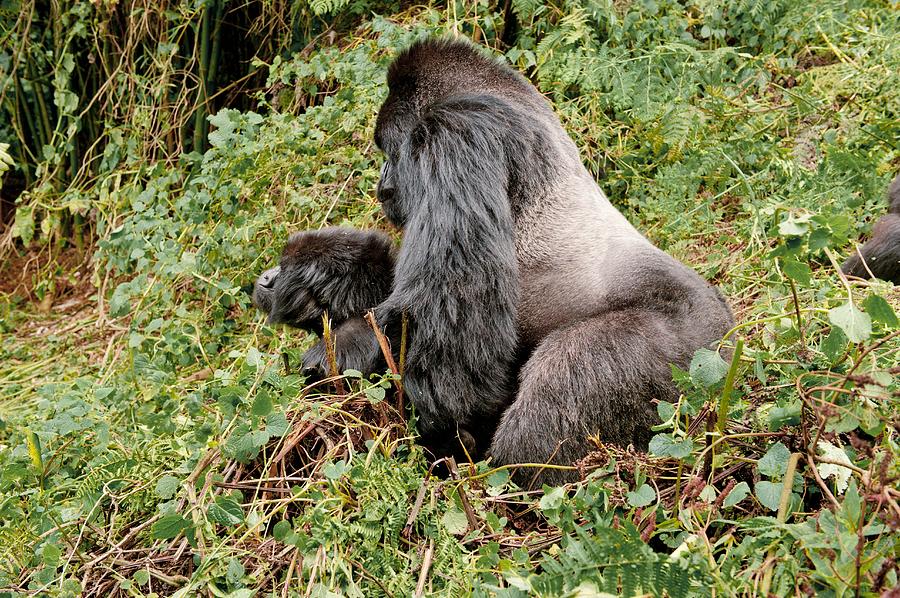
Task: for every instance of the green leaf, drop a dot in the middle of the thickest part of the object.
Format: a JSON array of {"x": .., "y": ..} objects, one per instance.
[
  {"x": 120, "y": 302},
  {"x": 168, "y": 527},
  {"x": 498, "y": 479},
  {"x": 375, "y": 394},
  {"x": 840, "y": 474},
  {"x": 707, "y": 367},
  {"x": 262, "y": 404},
  {"x": 23, "y": 225},
  {"x": 33, "y": 442},
  {"x": 455, "y": 521},
  {"x": 552, "y": 499},
  {"x": 794, "y": 226},
  {"x": 834, "y": 344},
  {"x": 774, "y": 463},
  {"x": 797, "y": 270},
  {"x": 737, "y": 494},
  {"x": 819, "y": 239},
  {"x": 641, "y": 497},
  {"x": 334, "y": 471},
  {"x": 167, "y": 486},
  {"x": 141, "y": 577},
  {"x": 243, "y": 445},
  {"x": 768, "y": 494},
  {"x": 50, "y": 554},
  {"x": 665, "y": 410},
  {"x": 277, "y": 425},
  {"x": 784, "y": 415},
  {"x": 225, "y": 511},
  {"x": 852, "y": 504},
  {"x": 235, "y": 572},
  {"x": 880, "y": 310},
  {"x": 281, "y": 529},
  {"x": 663, "y": 445},
  {"x": 857, "y": 325}
]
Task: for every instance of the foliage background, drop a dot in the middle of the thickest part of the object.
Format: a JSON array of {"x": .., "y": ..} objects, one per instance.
[{"x": 151, "y": 440}]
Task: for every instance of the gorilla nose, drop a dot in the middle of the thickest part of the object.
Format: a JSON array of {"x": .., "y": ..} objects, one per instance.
[{"x": 267, "y": 279}]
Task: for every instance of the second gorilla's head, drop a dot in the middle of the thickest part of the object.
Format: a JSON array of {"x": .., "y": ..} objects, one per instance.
[{"x": 341, "y": 271}]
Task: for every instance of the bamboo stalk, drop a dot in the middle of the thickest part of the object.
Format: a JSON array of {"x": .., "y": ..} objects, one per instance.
[
  {"x": 200, "y": 114},
  {"x": 41, "y": 102},
  {"x": 212, "y": 73}
]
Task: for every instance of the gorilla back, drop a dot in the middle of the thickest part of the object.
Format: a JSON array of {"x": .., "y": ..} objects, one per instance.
[{"x": 515, "y": 262}]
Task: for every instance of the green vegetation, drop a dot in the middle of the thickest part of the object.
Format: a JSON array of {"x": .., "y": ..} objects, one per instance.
[{"x": 154, "y": 439}]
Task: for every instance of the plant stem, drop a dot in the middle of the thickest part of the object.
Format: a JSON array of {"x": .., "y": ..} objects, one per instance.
[
  {"x": 797, "y": 313},
  {"x": 783, "y": 505},
  {"x": 725, "y": 400}
]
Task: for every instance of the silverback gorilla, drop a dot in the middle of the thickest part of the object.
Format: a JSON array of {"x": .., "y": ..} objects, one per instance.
[
  {"x": 538, "y": 315},
  {"x": 881, "y": 254},
  {"x": 341, "y": 271}
]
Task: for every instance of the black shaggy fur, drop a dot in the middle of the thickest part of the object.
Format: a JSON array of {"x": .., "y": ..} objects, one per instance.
[
  {"x": 341, "y": 271},
  {"x": 880, "y": 255},
  {"x": 538, "y": 315}
]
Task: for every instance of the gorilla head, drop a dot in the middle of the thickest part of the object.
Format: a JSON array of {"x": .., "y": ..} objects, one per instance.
[
  {"x": 538, "y": 316},
  {"x": 341, "y": 271},
  {"x": 880, "y": 255}
]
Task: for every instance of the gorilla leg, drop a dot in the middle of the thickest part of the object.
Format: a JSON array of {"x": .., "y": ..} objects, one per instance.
[{"x": 596, "y": 377}]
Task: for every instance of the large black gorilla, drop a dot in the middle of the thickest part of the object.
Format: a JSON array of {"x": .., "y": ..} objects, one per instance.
[
  {"x": 339, "y": 271},
  {"x": 538, "y": 314},
  {"x": 880, "y": 255}
]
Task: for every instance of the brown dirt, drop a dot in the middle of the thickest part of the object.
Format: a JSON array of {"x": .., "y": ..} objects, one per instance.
[{"x": 67, "y": 274}]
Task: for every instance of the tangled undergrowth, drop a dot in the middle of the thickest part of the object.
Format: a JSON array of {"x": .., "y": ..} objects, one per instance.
[{"x": 156, "y": 438}]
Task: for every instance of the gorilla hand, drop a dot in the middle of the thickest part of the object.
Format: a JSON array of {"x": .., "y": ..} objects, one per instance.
[{"x": 355, "y": 348}]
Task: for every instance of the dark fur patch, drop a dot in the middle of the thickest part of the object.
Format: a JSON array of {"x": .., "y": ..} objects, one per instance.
[
  {"x": 342, "y": 271},
  {"x": 881, "y": 253}
]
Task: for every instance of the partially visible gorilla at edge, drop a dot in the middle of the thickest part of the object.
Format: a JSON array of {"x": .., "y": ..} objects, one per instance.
[
  {"x": 538, "y": 315},
  {"x": 880, "y": 255}
]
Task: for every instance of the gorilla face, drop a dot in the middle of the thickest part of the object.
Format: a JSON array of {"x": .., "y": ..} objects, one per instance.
[
  {"x": 338, "y": 271},
  {"x": 287, "y": 296}
]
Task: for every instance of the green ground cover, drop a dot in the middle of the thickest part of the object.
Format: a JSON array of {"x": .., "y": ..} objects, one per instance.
[{"x": 156, "y": 439}]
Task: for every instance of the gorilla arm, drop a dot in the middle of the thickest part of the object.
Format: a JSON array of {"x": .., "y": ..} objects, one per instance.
[{"x": 456, "y": 276}]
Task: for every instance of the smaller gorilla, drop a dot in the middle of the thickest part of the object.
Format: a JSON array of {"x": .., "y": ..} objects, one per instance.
[
  {"x": 880, "y": 255},
  {"x": 341, "y": 271}
]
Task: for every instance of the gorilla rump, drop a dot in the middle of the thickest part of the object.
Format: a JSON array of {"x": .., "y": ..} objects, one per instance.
[
  {"x": 538, "y": 315},
  {"x": 880, "y": 255},
  {"x": 341, "y": 271}
]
